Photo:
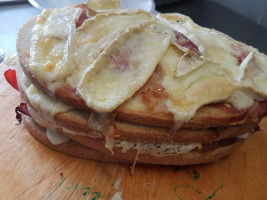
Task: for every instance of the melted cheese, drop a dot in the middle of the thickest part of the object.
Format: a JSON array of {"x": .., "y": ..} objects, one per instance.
[
  {"x": 95, "y": 34},
  {"x": 179, "y": 28},
  {"x": 113, "y": 54},
  {"x": 198, "y": 82},
  {"x": 157, "y": 149},
  {"x": 49, "y": 106},
  {"x": 103, "y": 4},
  {"x": 255, "y": 76},
  {"x": 54, "y": 137},
  {"x": 124, "y": 66},
  {"x": 241, "y": 99},
  {"x": 243, "y": 136},
  {"x": 188, "y": 93},
  {"x": 188, "y": 62},
  {"x": 60, "y": 53},
  {"x": 50, "y": 53}
]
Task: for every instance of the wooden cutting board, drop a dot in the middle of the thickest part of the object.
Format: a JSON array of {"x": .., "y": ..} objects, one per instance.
[{"x": 29, "y": 170}]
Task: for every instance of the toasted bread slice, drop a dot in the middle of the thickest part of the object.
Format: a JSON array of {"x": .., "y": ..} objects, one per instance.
[
  {"x": 135, "y": 110},
  {"x": 78, "y": 150},
  {"x": 70, "y": 147},
  {"x": 81, "y": 122}
]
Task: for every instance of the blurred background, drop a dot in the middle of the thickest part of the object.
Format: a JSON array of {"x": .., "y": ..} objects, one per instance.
[
  {"x": 255, "y": 10},
  {"x": 244, "y": 20}
]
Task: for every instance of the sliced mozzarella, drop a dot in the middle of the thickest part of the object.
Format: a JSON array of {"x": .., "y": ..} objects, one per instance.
[{"x": 124, "y": 66}]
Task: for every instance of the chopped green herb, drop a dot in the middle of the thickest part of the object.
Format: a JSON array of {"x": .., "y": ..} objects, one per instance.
[
  {"x": 194, "y": 174},
  {"x": 185, "y": 186},
  {"x": 213, "y": 194}
]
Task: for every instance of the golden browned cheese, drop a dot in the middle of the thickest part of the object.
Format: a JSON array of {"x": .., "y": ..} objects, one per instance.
[{"x": 113, "y": 54}]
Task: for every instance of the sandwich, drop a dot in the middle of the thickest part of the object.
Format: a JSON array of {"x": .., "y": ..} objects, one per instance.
[{"x": 115, "y": 85}]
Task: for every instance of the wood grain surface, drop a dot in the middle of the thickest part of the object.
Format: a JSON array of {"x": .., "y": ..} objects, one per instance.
[{"x": 29, "y": 170}]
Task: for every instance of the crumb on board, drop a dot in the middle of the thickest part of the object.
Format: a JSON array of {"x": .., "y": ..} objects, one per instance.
[
  {"x": 117, "y": 184},
  {"x": 117, "y": 196}
]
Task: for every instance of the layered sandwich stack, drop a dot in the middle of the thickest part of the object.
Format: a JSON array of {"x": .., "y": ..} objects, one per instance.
[{"x": 103, "y": 83}]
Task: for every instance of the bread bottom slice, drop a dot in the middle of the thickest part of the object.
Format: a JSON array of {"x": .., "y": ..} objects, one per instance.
[
  {"x": 70, "y": 147},
  {"x": 80, "y": 149}
]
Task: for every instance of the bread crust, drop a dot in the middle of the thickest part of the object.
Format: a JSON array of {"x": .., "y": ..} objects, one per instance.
[
  {"x": 69, "y": 148},
  {"x": 207, "y": 116},
  {"x": 77, "y": 121},
  {"x": 80, "y": 151}
]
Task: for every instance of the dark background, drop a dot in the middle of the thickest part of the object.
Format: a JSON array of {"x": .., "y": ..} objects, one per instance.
[{"x": 211, "y": 14}]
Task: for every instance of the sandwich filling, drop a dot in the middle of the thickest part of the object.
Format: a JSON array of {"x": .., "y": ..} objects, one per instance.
[{"x": 43, "y": 109}]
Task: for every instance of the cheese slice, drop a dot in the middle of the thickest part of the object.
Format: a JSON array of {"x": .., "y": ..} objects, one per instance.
[
  {"x": 103, "y": 4},
  {"x": 50, "y": 56},
  {"x": 207, "y": 84},
  {"x": 95, "y": 34},
  {"x": 61, "y": 53},
  {"x": 124, "y": 66}
]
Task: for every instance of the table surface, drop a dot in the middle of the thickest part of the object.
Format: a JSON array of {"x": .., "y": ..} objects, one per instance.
[{"x": 29, "y": 170}]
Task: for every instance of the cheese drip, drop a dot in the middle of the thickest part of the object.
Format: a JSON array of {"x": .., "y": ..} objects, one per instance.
[
  {"x": 54, "y": 137},
  {"x": 49, "y": 106}
]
